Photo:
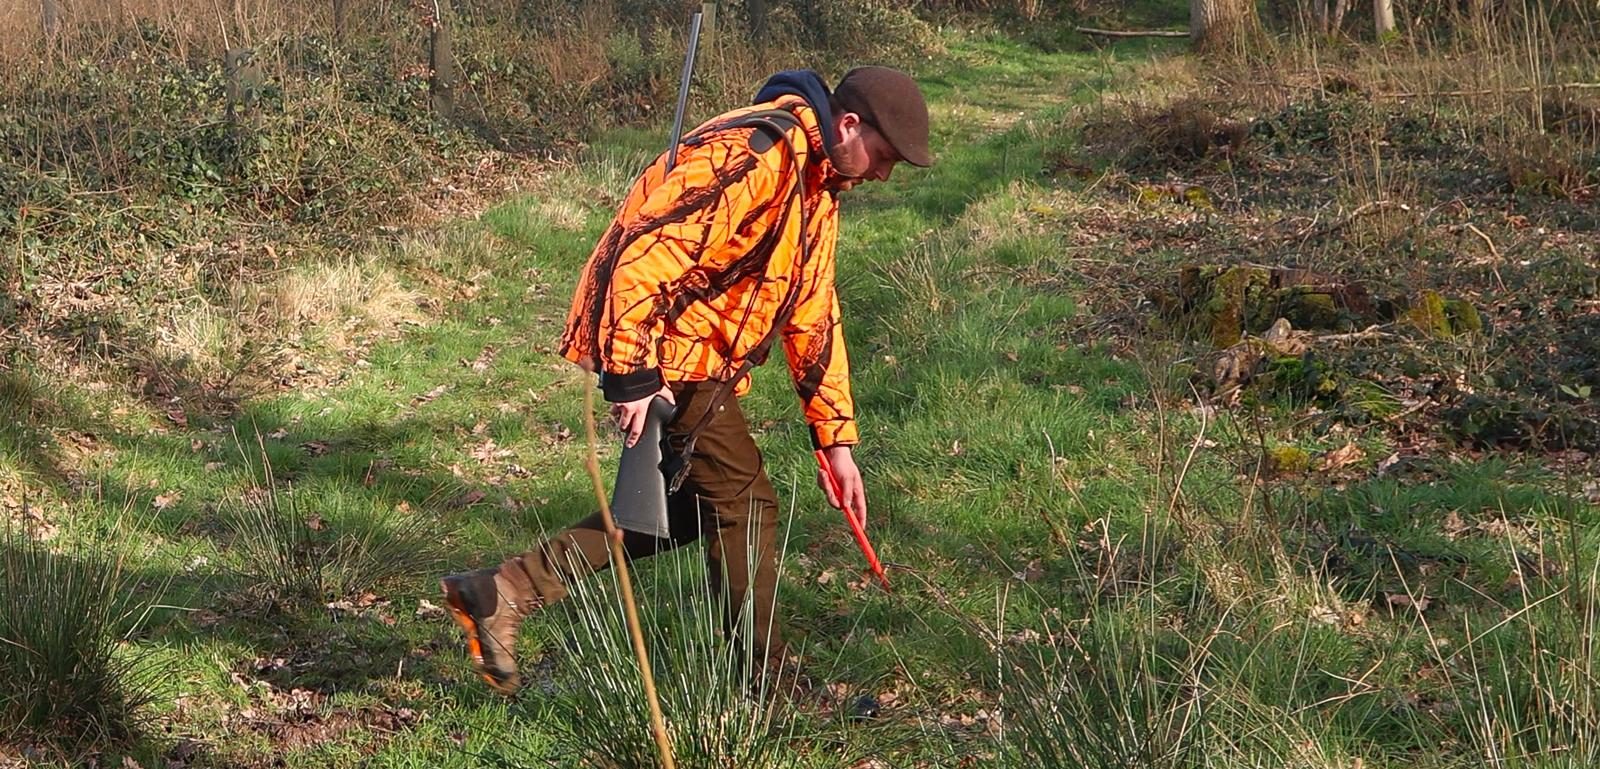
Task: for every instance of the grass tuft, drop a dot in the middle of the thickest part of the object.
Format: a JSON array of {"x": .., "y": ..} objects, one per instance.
[
  {"x": 65, "y": 613},
  {"x": 719, "y": 708},
  {"x": 324, "y": 547}
]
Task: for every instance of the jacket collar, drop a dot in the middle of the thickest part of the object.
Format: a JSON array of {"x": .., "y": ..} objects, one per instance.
[{"x": 804, "y": 93}]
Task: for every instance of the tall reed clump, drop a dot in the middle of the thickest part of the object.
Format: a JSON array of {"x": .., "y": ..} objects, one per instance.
[
  {"x": 1525, "y": 679},
  {"x": 321, "y": 545},
  {"x": 721, "y": 705},
  {"x": 66, "y": 610}
]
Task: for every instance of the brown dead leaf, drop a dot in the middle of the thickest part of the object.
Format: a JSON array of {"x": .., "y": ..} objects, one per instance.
[
  {"x": 559, "y": 433},
  {"x": 178, "y": 417},
  {"x": 427, "y": 610},
  {"x": 278, "y": 434},
  {"x": 1402, "y": 601},
  {"x": 430, "y": 396},
  {"x": 489, "y": 451},
  {"x": 1453, "y": 526},
  {"x": 373, "y": 469},
  {"x": 484, "y": 360},
  {"x": 1033, "y": 572},
  {"x": 466, "y": 499},
  {"x": 196, "y": 445},
  {"x": 870, "y": 763},
  {"x": 315, "y": 448},
  {"x": 1340, "y": 457},
  {"x": 315, "y": 523},
  {"x": 164, "y": 501},
  {"x": 1023, "y": 637},
  {"x": 826, "y": 577}
]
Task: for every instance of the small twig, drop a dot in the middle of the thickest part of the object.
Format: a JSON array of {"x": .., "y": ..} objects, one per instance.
[
  {"x": 1494, "y": 266},
  {"x": 1361, "y": 210},
  {"x": 1131, "y": 32},
  {"x": 619, "y": 561},
  {"x": 1370, "y": 332}
]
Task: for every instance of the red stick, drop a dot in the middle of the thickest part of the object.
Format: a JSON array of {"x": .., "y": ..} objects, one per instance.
[{"x": 855, "y": 523}]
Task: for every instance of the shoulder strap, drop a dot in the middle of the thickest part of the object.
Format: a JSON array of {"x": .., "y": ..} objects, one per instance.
[{"x": 778, "y": 122}]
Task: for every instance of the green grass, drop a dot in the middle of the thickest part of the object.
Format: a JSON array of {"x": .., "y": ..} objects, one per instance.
[{"x": 1020, "y": 482}]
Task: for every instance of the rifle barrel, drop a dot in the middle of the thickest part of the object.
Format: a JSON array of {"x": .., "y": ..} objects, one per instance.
[{"x": 683, "y": 90}]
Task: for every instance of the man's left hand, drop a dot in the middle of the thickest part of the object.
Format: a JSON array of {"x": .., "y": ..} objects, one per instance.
[{"x": 848, "y": 476}]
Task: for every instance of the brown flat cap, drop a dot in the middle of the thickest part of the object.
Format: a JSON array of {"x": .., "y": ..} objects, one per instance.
[{"x": 890, "y": 101}]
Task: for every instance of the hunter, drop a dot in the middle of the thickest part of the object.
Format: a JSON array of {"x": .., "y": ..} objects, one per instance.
[{"x": 704, "y": 268}]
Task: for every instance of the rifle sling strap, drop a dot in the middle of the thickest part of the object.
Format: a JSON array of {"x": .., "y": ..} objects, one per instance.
[{"x": 777, "y": 122}]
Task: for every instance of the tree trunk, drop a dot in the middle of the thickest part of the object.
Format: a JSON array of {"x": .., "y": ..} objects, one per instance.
[
  {"x": 756, "y": 10},
  {"x": 340, "y": 9},
  {"x": 1319, "y": 15},
  {"x": 1383, "y": 16},
  {"x": 1336, "y": 21},
  {"x": 1220, "y": 25},
  {"x": 50, "y": 14},
  {"x": 442, "y": 60}
]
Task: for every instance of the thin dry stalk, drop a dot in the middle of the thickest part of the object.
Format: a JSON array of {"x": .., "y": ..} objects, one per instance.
[{"x": 619, "y": 561}]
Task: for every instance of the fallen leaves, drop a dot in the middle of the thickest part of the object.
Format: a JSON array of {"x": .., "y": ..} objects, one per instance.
[
  {"x": 430, "y": 396},
  {"x": 489, "y": 451},
  {"x": 484, "y": 360},
  {"x": 1334, "y": 460},
  {"x": 1033, "y": 572},
  {"x": 1396, "y": 601},
  {"x": 164, "y": 501}
]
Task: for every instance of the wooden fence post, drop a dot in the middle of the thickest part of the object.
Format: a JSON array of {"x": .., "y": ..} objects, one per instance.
[{"x": 442, "y": 61}]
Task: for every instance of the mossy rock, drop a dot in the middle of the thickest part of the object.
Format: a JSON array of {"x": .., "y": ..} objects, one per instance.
[
  {"x": 1309, "y": 309},
  {"x": 1288, "y": 460},
  {"x": 1233, "y": 294},
  {"x": 1463, "y": 317},
  {"x": 1439, "y": 317},
  {"x": 1426, "y": 313},
  {"x": 1228, "y": 303}
]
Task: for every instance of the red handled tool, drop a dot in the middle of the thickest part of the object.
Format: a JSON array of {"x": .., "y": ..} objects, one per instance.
[{"x": 855, "y": 523}]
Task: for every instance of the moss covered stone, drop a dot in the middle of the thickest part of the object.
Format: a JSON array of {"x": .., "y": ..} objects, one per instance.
[
  {"x": 1463, "y": 317},
  {"x": 1288, "y": 460},
  {"x": 1426, "y": 313},
  {"x": 1439, "y": 317}
]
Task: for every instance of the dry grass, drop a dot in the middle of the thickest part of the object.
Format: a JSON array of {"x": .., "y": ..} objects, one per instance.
[
  {"x": 185, "y": 28},
  {"x": 352, "y": 294}
]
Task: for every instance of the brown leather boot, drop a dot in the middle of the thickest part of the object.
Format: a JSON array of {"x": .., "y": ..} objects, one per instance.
[{"x": 481, "y": 601}]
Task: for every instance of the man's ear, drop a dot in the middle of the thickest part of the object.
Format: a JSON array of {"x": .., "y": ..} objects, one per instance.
[{"x": 848, "y": 124}]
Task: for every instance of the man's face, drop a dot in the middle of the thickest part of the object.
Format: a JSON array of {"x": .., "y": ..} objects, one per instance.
[{"x": 862, "y": 153}]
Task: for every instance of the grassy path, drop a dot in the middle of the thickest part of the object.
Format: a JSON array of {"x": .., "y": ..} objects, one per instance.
[
  {"x": 460, "y": 442},
  {"x": 1020, "y": 471}
]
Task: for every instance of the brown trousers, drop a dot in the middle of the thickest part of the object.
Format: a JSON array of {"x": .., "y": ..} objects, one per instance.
[{"x": 726, "y": 496}]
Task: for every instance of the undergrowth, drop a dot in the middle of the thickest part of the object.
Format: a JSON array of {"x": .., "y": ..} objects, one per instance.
[{"x": 70, "y": 608}]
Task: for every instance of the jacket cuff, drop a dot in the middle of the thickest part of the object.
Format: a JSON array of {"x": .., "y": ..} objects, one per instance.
[
  {"x": 622, "y": 388},
  {"x": 837, "y": 432}
]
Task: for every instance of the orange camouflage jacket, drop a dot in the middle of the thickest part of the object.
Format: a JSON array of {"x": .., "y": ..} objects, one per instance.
[{"x": 702, "y": 262}]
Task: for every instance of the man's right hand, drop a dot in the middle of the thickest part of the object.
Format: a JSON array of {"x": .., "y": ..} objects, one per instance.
[{"x": 631, "y": 416}]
